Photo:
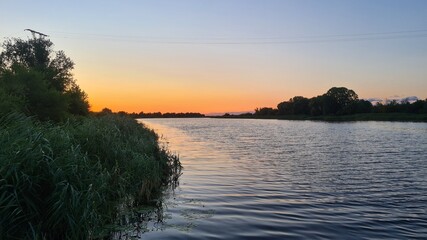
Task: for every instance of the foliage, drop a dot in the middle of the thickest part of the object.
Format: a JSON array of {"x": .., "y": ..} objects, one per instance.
[
  {"x": 68, "y": 181},
  {"x": 77, "y": 101},
  {"x": 362, "y": 106},
  {"x": 296, "y": 105},
  {"x": 10, "y": 102},
  {"x": 37, "y": 54},
  {"x": 265, "y": 111},
  {"x": 417, "y": 107},
  {"x": 337, "y": 102},
  {"x": 153, "y": 115},
  {"x": 48, "y": 186},
  {"x": 128, "y": 151},
  {"x": 316, "y": 106},
  {"x": 168, "y": 115},
  {"x": 38, "y": 81},
  {"x": 341, "y": 100}
]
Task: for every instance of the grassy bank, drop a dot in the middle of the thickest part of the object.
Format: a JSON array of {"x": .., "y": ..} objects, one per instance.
[
  {"x": 398, "y": 117},
  {"x": 69, "y": 180}
]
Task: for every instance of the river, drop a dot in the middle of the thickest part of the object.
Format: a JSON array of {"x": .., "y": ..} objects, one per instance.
[{"x": 276, "y": 179}]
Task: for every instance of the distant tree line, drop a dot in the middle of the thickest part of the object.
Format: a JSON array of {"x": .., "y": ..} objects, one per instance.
[
  {"x": 339, "y": 101},
  {"x": 154, "y": 114}
]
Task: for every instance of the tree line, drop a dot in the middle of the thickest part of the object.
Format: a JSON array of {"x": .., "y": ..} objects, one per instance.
[
  {"x": 154, "y": 114},
  {"x": 339, "y": 101}
]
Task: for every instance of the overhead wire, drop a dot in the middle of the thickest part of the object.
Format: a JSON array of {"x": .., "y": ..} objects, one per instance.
[{"x": 370, "y": 36}]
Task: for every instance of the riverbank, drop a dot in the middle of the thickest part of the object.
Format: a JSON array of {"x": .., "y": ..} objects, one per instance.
[
  {"x": 396, "y": 117},
  {"x": 72, "y": 180}
]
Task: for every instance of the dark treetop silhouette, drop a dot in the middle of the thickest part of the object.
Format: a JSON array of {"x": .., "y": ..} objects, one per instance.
[{"x": 38, "y": 81}]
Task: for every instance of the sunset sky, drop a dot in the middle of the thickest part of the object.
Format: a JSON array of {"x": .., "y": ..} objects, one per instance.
[{"x": 230, "y": 55}]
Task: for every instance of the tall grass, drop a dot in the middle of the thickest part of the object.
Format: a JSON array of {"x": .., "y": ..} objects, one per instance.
[{"x": 68, "y": 181}]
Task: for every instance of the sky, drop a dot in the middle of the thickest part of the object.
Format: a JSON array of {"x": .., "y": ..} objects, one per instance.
[{"x": 216, "y": 56}]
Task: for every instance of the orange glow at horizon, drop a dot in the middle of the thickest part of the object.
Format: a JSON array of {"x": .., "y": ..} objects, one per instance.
[
  {"x": 203, "y": 102},
  {"x": 224, "y": 79},
  {"x": 230, "y": 56},
  {"x": 163, "y": 93}
]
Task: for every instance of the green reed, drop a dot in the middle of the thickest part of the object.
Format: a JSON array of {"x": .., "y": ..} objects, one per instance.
[{"x": 70, "y": 180}]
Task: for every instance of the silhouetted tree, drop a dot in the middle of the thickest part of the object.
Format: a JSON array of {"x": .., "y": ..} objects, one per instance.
[
  {"x": 34, "y": 94},
  {"x": 378, "y": 108},
  {"x": 392, "y": 106},
  {"x": 78, "y": 103},
  {"x": 122, "y": 113},
  {"x": 265, "y": 111},
  {"x": 296, "y": 105},
  {"x": 418, "y": 106},
  {"x": 300, "y": 105},
  {"x": 37, "y": 54},
  {"x": 363, "y": 106},
  {"x": 322, "y": 105},
  {"x": 40, "y": 80},
  {"x": 342, "y": 100},
  {"x": 316, "y": 105},
  {"x": 339, "y": 101},
  {"x": 106, "y": 111},
  {"x": 424, "y": 108},
  {"x": 284, "y": 108}
]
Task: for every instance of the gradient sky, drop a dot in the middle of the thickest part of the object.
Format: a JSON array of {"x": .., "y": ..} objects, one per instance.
[{"x": 230, "y": 55}]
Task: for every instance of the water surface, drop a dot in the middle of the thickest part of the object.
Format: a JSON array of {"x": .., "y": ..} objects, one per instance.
[{"x": 273, "y": 179}]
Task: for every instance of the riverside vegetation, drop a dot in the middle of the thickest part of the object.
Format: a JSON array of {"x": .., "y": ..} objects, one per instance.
[
  {"x": 342, "y": 104},
  {"x": 337, "y": 104},
  {"x": 66, "y": 173}
]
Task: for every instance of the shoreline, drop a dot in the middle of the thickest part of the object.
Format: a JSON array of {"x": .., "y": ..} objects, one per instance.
[{"x": 380, "y": 117}]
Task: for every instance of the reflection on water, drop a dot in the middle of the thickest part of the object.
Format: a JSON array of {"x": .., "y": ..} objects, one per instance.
[{"x": 269, "y": 179}]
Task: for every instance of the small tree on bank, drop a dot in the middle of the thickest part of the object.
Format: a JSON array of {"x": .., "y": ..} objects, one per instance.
[{"x": 38, "y": 81}]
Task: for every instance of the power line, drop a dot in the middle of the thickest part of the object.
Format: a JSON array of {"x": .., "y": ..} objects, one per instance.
[
  {"x": 371, "y": 36},
  {"x": 249, "y": 38}
]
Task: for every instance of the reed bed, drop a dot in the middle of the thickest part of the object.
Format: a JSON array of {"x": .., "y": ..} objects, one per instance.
[{"x": 70, "y": 180}]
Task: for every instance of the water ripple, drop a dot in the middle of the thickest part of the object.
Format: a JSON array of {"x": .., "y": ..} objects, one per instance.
[{"x": 268, "y": 179}]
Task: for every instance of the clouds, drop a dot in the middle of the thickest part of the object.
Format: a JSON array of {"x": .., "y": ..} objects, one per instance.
[
  {"x": 409, "y": 99},
  {"x": 396, "y": 98},
  {"x": 374, "y": 100}
]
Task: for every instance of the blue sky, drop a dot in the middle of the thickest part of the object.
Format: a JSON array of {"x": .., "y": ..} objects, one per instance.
[{"x": 199, "y": 55}]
